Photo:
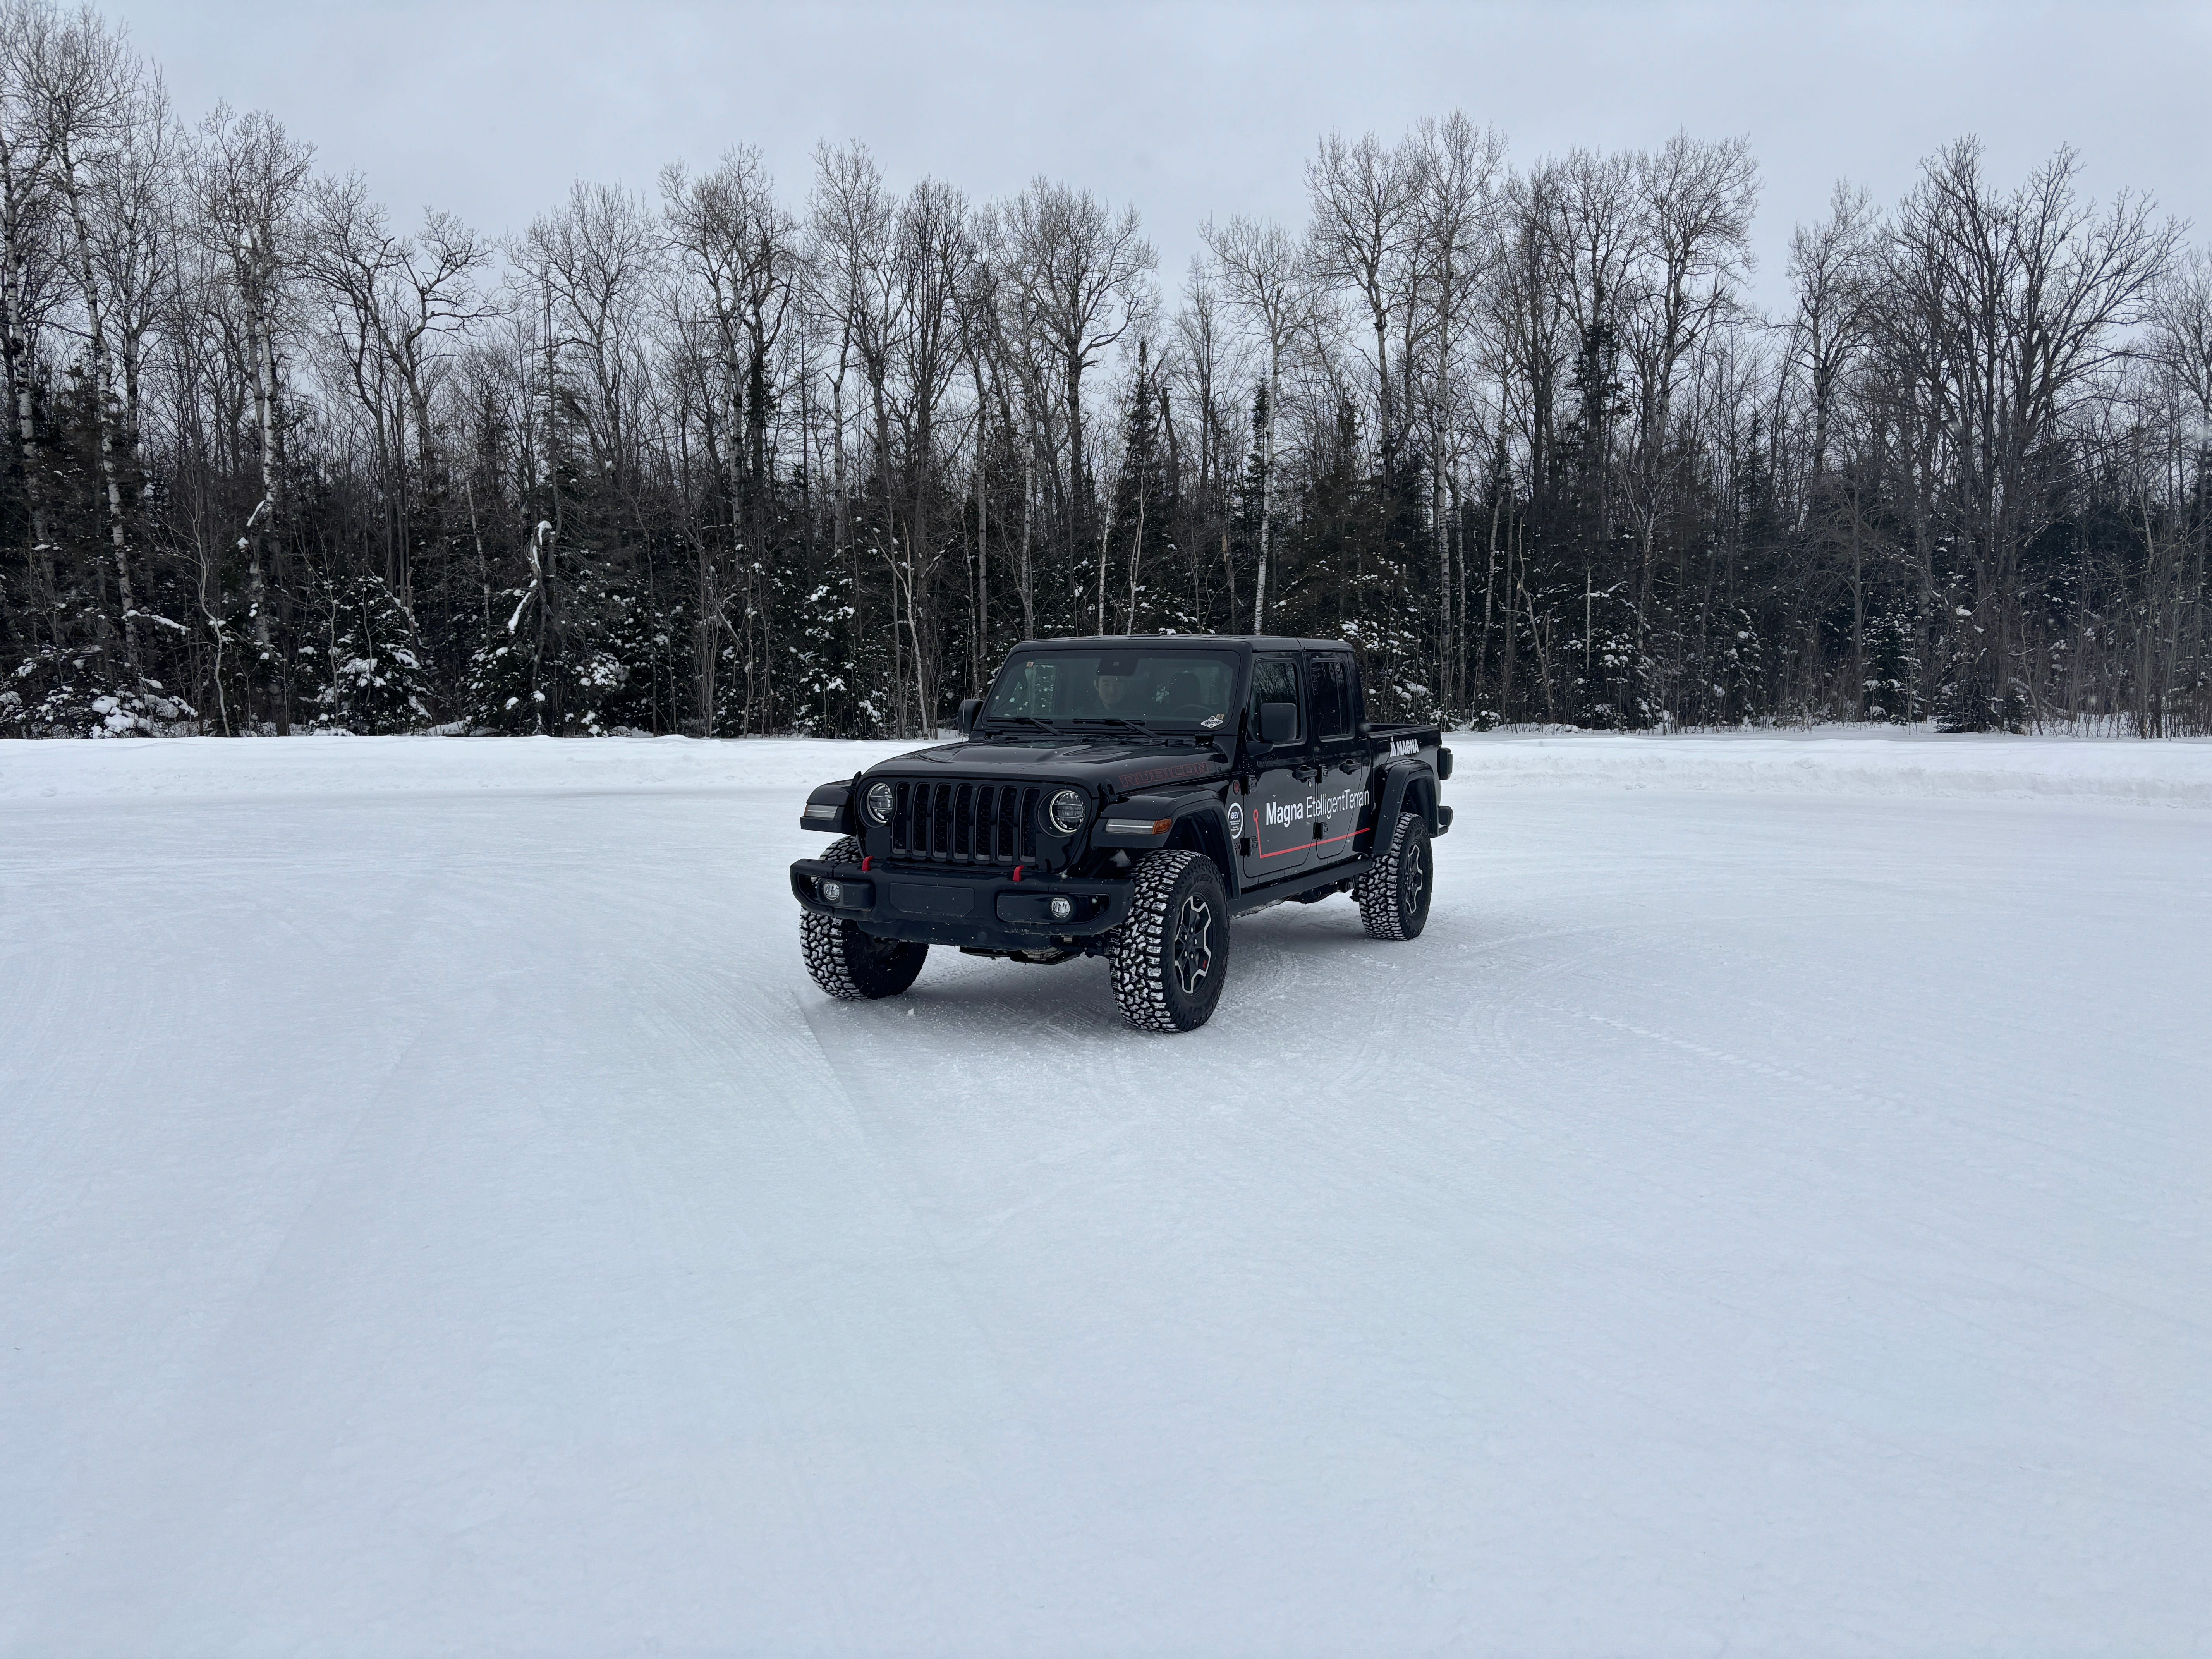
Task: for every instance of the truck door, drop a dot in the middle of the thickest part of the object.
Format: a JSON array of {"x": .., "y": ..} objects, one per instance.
[
  {"x": 1275, "y": 838},
  {"x": 1338, "y": 809}
]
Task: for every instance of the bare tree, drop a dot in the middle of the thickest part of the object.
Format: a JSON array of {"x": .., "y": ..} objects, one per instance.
[
  {"x": 1832, "y": 270},
  {"x": 852, "y": 222},
  {"x": 741, "y": 249},
  {"x": 82, "y": 86},
  {"x": 2008, "y": 308},
  {"x": 1696, "y": 199},
  {"x": 1453, "y": 255},
  {"x": 1083, "y": 275},
  {"x": 593, "y": 262},
  {"x": 1206, "y": 363},
  {"x": 29, "y": 269},
  {"x": 1365, "y": 199},
  {"x": 931, "y": 254},
  {"x": 248, "y": 186},
  {"x": 397, "y": 307},
  {"x": 581, "y": 277},
  {"x": 1832, "y": 267},
  {"x": 1264, "y": 275}
]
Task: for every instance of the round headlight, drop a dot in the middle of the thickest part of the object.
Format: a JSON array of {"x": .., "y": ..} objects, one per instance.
[
  {"x": 879, "y": 800},
  {"x": 1066, "y": 812}
]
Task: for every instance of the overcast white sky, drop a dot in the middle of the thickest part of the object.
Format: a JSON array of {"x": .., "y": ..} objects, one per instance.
[{"x": 1190, "y": 109}]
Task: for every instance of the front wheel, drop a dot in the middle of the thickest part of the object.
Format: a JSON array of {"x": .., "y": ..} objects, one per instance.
[
  {"x": 850, "y": 965},
  {"x": 1393, "y": 899},
  {"x": 1170, "y": 957},
  {"x": 854, "y": 966}
]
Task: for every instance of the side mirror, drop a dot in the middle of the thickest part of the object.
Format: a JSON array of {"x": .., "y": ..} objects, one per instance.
[
  {"x": 1279, "y": 723},
  {"x": 969, "y": 709}
]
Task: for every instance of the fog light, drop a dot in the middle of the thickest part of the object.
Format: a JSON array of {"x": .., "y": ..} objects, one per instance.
[
  {"x": 1062, "y": 909},
  {"x": 833, "y": 891}
]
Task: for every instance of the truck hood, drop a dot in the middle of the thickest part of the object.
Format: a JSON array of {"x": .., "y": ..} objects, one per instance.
[{"x": 1115, "y": 764}]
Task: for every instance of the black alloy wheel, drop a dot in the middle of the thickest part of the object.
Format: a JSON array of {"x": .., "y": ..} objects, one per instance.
[
  {"x": 1393, "y": 899},
  {"x": 1191, "y": 944},
  {"x": 1171, "y": 959}
]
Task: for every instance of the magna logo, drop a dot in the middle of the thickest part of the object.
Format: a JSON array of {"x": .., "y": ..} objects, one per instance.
[
  {"x": 1314, "y": 808},
  {"x": 1403, "y": 746}
]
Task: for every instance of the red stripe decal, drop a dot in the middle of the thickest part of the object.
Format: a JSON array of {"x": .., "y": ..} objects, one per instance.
[{"x": 1326, "y": 841}]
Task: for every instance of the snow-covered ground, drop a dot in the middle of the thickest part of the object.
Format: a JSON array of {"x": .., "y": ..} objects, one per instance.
[{"x": 1766, "y": 1213}]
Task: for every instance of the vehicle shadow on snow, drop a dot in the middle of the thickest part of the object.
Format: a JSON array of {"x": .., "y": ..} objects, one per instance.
[{"x": 1294, "y": 960}]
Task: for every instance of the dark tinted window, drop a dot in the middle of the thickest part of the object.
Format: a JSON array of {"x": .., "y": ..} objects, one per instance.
[
  {"x": 1275, "y": 679},
  {"x": 1331, "y": 694},
  {"x": 1153, "y": 687}
]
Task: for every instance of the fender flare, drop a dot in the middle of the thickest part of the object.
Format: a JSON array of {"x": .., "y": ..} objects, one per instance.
[
  {"x": 1199, "y": 821},
  {"x": 843, "y": 819},
  {"x": 1408, "y": 786}
]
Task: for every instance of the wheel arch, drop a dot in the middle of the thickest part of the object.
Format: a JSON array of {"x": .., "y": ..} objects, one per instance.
[
  {"x": 832, "y": 808},
  {"x": 1406, "y": 787},
  {"x": 1202, "y": 827},
  {"x": 1200, "y": 824}
]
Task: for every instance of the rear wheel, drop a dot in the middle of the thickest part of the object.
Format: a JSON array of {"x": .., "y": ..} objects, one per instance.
[
  {"x": 1170, "y": 957},
  {"x": 849, "y": 964},
  {"x": 1393, "y": 899}
]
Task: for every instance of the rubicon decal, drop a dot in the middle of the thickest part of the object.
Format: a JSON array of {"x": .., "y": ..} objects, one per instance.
[{"x": 1153, "y": 774}]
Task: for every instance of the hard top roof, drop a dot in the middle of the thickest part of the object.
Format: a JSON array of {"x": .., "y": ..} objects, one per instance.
[{"x": 1185, "y": 641}]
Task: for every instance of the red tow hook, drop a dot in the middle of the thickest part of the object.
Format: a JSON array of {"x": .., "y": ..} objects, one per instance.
[
  {"x": 865, "y": 863},
  {"x": 1017, "y": 872}
]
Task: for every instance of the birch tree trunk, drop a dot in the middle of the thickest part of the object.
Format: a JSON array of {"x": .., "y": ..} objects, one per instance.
[
  {"x": 1267, "y": 436},
  {"x": 104, "y": 403},
  {"x": 1022, "y": 572},
  {"x": 15, "y": 187}
]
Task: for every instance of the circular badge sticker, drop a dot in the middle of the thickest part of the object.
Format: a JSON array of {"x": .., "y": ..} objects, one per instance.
[{"x": 1236, "y": 818}]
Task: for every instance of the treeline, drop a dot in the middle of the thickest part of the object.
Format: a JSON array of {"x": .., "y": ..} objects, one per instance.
[{"x": 733, "y": 458}]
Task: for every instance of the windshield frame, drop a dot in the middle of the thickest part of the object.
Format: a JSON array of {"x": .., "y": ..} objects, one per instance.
[{"x": 1131, "y": 720}]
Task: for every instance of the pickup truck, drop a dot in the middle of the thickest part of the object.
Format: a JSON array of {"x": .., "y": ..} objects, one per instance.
[{"x": 1125, "y": 796}]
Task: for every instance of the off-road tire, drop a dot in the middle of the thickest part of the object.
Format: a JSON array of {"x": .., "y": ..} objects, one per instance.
[
  {"x": 849, "y": 964},
  {"x": 1165, "y": 979},
  {"x": 1393, "y": 898}
]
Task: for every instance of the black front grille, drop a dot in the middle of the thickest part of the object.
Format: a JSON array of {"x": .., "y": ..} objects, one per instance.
[{"x": 956, "y": 823}]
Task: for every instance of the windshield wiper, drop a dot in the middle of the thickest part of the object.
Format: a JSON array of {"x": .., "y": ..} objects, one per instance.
[
  {"x": 1111, "y": 719},
  {"x": 1042, "y": 726}
]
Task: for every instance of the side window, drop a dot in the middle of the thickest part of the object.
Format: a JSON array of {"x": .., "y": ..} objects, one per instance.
[
  {"x": 1331, "y": 694},
  {"x": 1275, "y": 679},
  {"x": 1357, "y": 702}
]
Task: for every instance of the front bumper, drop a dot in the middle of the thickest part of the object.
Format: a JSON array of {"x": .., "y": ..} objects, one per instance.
[{"x": 982, "y": 909}]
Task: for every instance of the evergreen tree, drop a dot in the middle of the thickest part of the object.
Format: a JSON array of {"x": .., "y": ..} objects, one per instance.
[{"x": 376, "y": 680}]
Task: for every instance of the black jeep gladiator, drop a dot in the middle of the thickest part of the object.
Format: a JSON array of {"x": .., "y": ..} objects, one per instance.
[{"x": 1125, "y": 796}]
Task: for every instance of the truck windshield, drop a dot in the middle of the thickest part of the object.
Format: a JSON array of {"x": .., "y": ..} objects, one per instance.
[{"x": 1180, "y": 688}]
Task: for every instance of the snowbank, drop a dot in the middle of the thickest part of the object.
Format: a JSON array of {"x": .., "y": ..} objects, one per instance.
[
  {"x": 1832, "y": 762},
  {"x": 327, "y": 765},
  {"x": 2175, "y": 773}
]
